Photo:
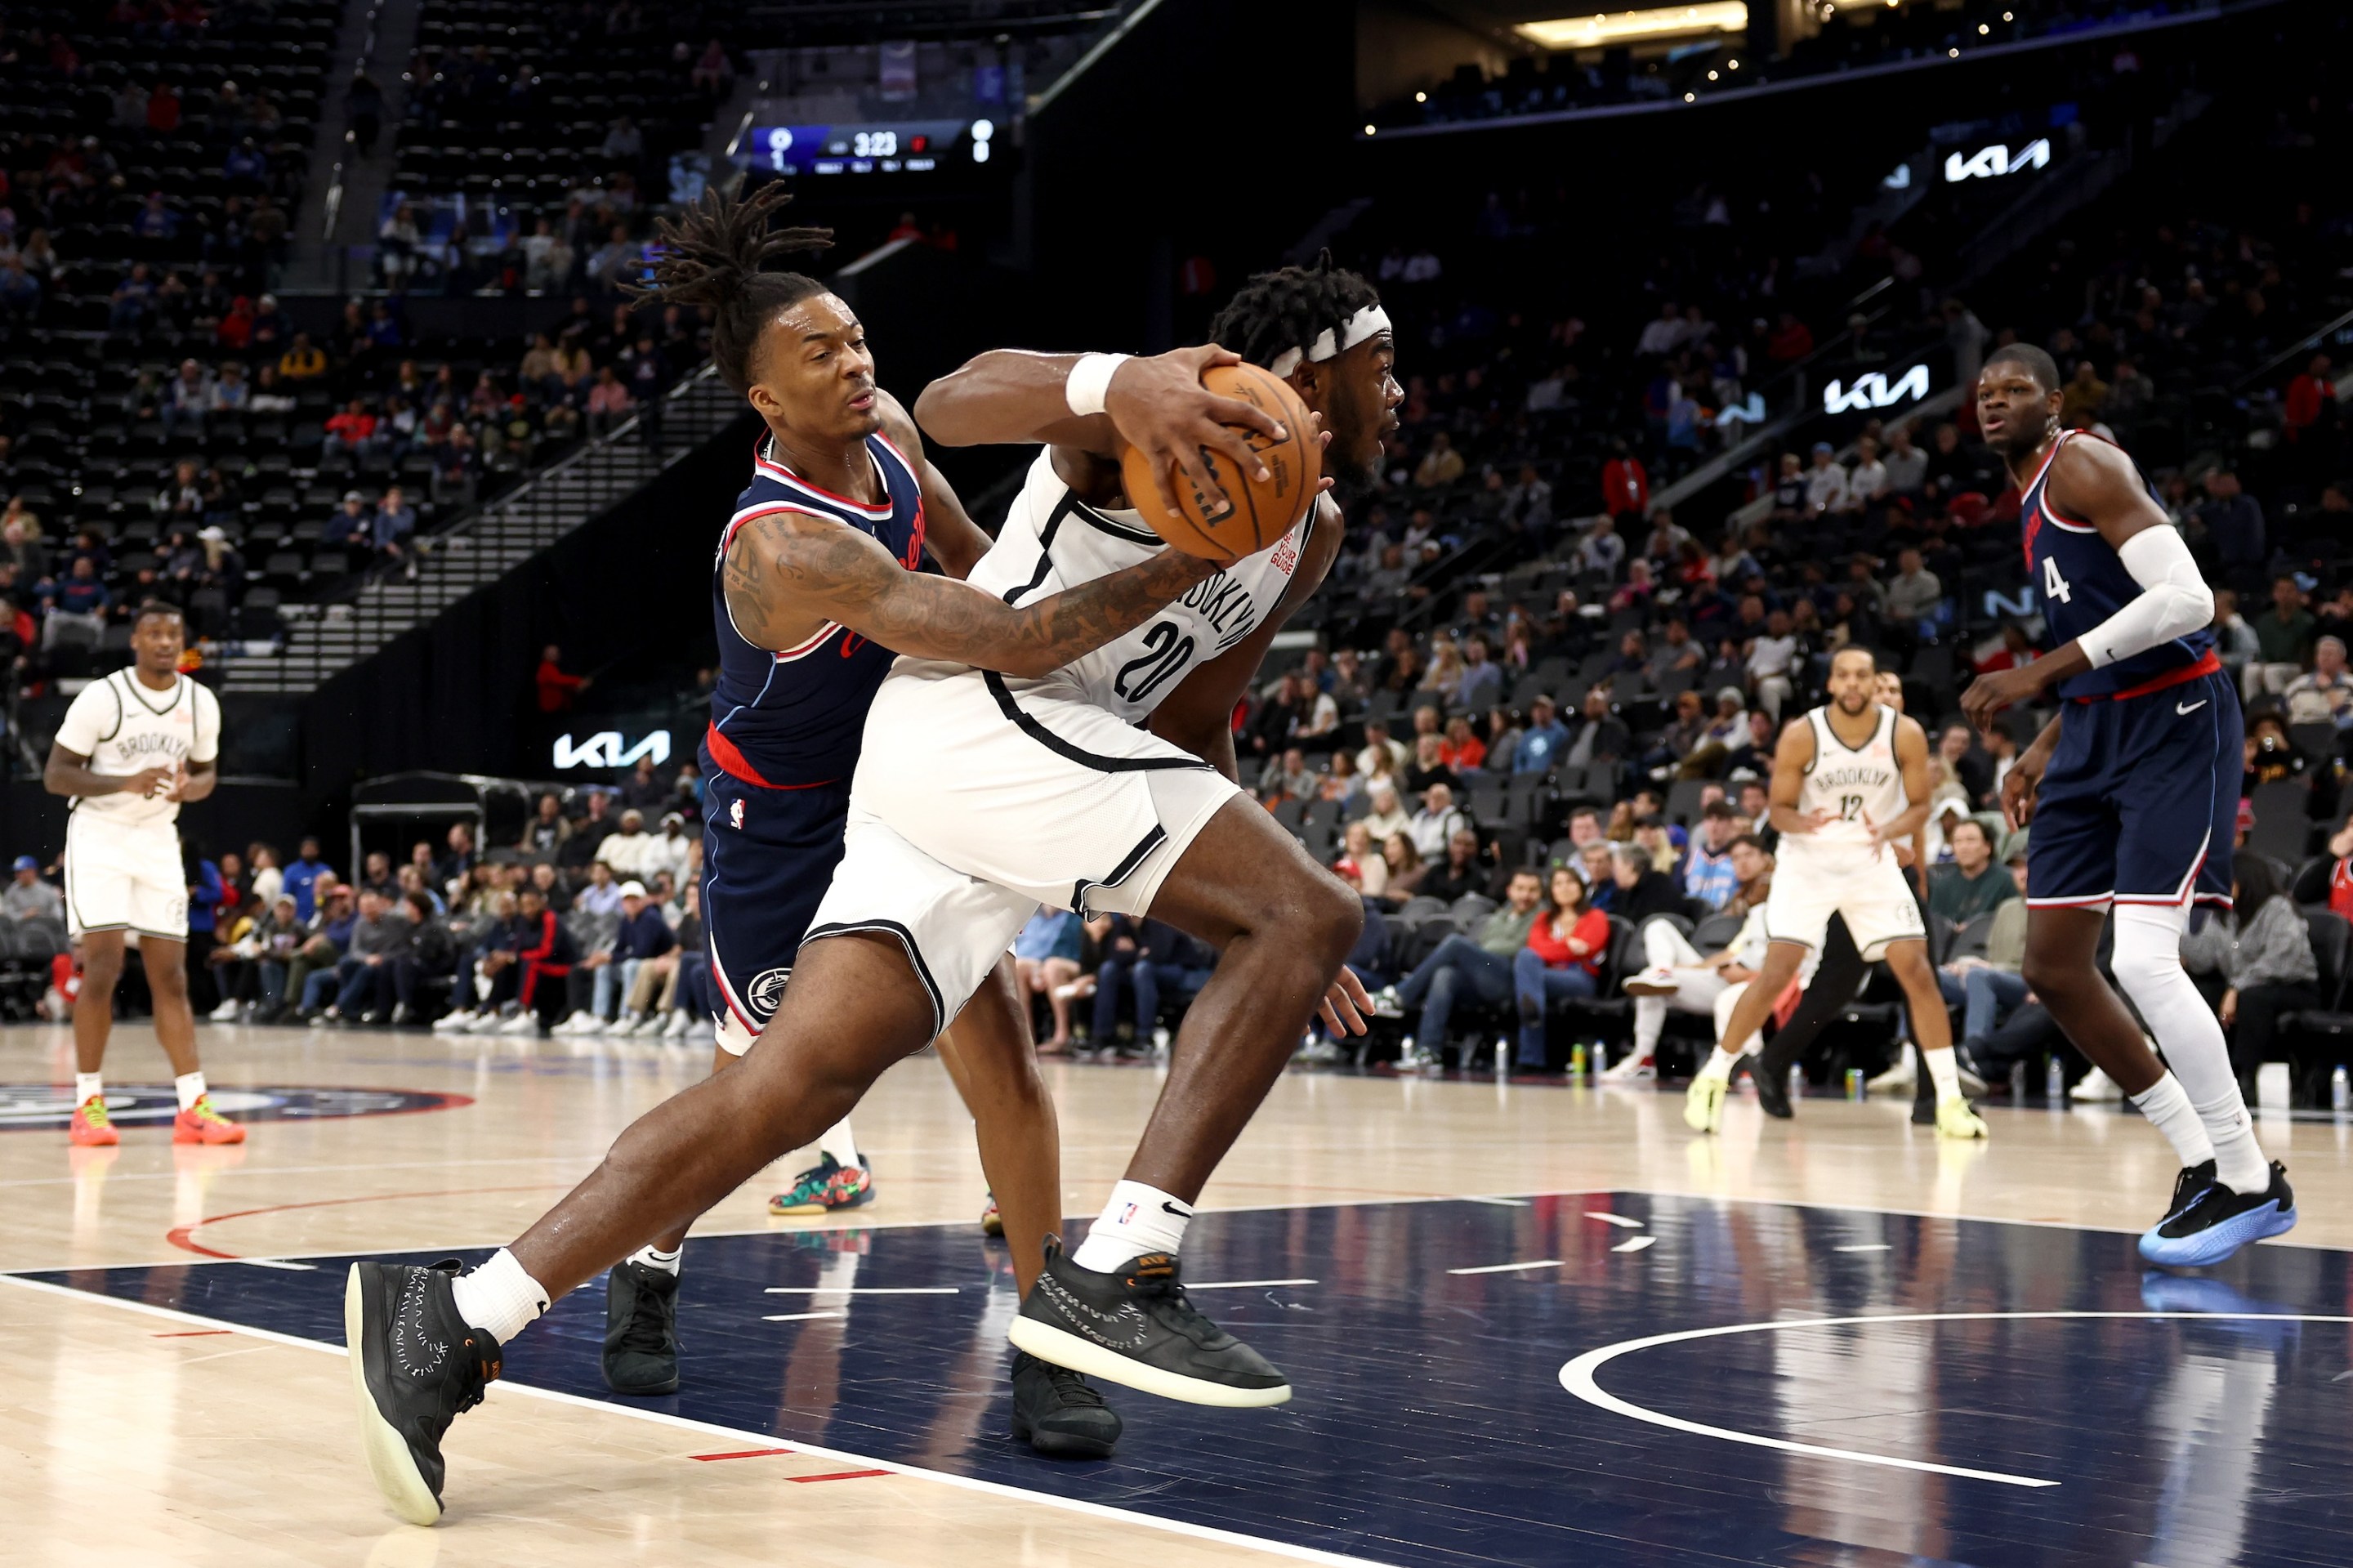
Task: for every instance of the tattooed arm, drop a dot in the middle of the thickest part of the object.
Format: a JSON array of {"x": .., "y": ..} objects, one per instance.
[{"x": 791, "y": 572}]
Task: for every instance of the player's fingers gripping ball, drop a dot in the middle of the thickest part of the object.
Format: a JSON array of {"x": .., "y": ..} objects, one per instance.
[{"x": 1256, "y": 513}]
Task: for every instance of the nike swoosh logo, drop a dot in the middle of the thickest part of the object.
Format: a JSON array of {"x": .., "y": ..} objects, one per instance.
[
  {"x": 1167, "y": 1207},
  {"x": 2192, "y": 708}
]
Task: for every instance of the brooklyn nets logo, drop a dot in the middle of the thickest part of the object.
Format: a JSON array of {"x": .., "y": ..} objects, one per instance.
[{"x": 28, "y": 1106}]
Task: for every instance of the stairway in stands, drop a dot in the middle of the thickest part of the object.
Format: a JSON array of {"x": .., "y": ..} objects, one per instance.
[{"x": 484, "y": 547}]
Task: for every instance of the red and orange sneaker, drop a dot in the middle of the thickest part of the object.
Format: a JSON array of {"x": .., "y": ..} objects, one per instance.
[
  {"x": 202, "y": 1124},
  {"x": 992, "y": 1222},
  {"x": 90, "y": 1127}
]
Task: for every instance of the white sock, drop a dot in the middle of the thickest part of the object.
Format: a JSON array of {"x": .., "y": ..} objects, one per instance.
[
  {"x": 838, "y": 1143},
  {"x": 87, "y": 1086},
  {"x": 1945, "y": 1071},
  {"x": 2170, "y": 1112},
  {"x": 1137, "y": 1220},
  {"x": 2146, "y": 959},
  {"x": 1650, "y": 1022},
  {"x": 191, "y": 1088},
  {"x": 652, "y": 1257},
  {"x": 498, "y": 1298},
  {"x": 1719, "y": 1064}
]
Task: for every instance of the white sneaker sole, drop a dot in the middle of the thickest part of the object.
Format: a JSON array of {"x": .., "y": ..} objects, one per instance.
[
  {"x": 388, "y": 1458},
  {"x": 1065, "y": 1349}
]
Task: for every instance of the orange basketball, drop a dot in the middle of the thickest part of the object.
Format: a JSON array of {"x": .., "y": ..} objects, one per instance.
[{"x": 1258, "y": 513}]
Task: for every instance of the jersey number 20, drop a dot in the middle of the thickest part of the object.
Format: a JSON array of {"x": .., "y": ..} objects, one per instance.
[{"x": 1166, "y": 652}]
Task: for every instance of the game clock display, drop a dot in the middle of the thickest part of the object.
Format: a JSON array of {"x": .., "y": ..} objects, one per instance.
[{"x": 911, "y": 147}]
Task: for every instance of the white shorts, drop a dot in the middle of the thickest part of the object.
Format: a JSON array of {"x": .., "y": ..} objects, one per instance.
[
  {"x": 1811, "y": 885},
  {"x": 124, "y": 878},
  {"x": 970, "y": 809}
]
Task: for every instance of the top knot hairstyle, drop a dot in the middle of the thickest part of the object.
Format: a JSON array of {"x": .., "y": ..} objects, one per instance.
[
  {"x": 1289, "y": 308},
  {"x": 713, "y": 255}
]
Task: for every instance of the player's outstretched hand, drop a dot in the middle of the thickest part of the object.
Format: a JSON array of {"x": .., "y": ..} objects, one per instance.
[
  {"x": 1159, "y": 406},
  {"x": 1346, "y": 1004}
]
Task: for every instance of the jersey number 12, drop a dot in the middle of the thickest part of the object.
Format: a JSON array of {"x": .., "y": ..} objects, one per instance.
[{"x": 2054, "y": 586}]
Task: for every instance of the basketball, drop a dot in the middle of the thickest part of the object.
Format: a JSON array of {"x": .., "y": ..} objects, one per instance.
[{"x": 1259, "y": 513}]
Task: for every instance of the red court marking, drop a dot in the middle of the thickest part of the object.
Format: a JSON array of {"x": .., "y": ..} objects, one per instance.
[
  {"x": 746, "y": 1454},
  {"x": 191, "y": 1333},
  {"x": 179, "y": 1236},
  {"x": 840, "y": 1476}
]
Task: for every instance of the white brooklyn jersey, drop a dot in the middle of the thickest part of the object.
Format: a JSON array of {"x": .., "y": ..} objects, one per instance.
[
  {"x": 1052, "y": 541},
  {"x": 1862, "y": 785},
  {"x": 123, "y": 727}
]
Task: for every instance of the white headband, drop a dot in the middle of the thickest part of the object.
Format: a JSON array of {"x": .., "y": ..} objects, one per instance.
[{"x": 1330, "y": 346}]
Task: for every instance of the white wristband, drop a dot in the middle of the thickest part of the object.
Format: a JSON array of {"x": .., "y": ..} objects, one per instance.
[{"x": 1089, "y": 380}]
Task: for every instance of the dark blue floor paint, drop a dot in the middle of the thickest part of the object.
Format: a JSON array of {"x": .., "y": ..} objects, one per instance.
[{"x": 1431, "y": 1425}]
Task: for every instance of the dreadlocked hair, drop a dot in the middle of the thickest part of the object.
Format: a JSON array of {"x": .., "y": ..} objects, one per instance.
[
  {"x": 711, "y": 255},
  {"x": 1290, "y": 308}
]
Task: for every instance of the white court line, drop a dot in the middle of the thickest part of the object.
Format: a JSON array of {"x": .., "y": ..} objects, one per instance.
[
  {"x": 1242, "y": 1284},
  {"x": 1864, "y": 1246},
  {"x": 767, "y": 1439},
  {"x": 274, "y": 1262},
  {"x": 863, "y": 1289},
  {"x": 1634, "y": 1244},
  {"x": 1508, "y": 1267},
  {"x": 1499, "y": 1202},
  {"x": 1609, "y": 1219},
  {"x": 798, "y": 1317},
  {"x": 1577, "y": 1376}
]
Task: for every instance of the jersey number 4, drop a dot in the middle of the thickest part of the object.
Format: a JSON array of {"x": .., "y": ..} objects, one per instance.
[
  {"x": 1165, "y": 653},
  {"x": 2054, "y": 586}
]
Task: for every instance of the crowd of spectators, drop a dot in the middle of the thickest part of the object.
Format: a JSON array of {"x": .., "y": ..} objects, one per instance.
[{"x": 1849, "y": 38}]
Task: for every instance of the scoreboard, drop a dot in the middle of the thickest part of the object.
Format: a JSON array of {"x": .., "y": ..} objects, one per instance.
[{"x": 903, "y": 147}]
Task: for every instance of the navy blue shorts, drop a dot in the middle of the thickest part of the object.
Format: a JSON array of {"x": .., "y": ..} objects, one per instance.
[
  {"x": 768, "y": 858},
  {"x": 2140, "y": 804}
]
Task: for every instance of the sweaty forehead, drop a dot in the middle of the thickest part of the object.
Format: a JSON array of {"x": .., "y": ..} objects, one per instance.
[{"x": 820, "y": 316}]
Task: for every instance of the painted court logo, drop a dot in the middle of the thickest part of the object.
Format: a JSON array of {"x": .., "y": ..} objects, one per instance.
[{"x": 30, "y": 1107}]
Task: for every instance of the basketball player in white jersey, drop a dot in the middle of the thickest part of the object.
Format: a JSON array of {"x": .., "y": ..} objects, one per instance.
[
  {"x": 133, "y": 746},
  {"x": 1849, "y": 780}
]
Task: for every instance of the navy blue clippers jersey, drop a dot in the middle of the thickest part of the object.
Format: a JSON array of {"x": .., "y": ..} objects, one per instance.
[
  {"x": 793, "y": 719},
  {"x": 2083, "y": 582}
]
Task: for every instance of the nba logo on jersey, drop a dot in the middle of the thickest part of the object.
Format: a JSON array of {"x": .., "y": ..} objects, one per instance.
[{"x": 735, "y": 812}]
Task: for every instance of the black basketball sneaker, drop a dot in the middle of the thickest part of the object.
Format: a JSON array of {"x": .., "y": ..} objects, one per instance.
[
  {"x": 640, "y": 1329},
  {"x": 415, "y": 1367},
  {"x": 2218, "y": 1220},
  {"x": 1137, "y": 1327},
  {"x": 1772, "y": 1081},
  {"x": 1056, "y": 1413}
]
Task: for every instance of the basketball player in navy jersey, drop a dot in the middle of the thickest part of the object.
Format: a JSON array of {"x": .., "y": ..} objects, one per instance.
[
  {"x": 871, "y": 987},
  {"x": 2134, "y": 792}
]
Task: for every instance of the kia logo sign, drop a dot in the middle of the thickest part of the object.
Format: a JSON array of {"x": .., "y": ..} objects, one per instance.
[
  {"x": 1875, "y": 391},
  {"x": 605, "y": 749},
  {"x": 1991, "y": 163}
]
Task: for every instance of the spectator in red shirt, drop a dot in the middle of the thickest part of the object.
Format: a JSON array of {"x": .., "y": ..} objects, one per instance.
[
  {"x": 1563, "y": 958},
  {"x": 1625, "y": 483},
  {"x": 164, "y": 108},
  {"x": 353, "y": 431},
  {"x": 1791, "y": 341},
  {"x": 1462, "y": 749},
  {"x": 556, "y": 689},
  {"x": 2309, "y": 396}
]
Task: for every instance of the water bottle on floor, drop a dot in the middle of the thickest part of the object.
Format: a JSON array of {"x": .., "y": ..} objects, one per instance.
[
  {"x": 1502, "y": 1059},
  {"x": 1796, "y": 1081},
  {"x": 2054, "y": 1081},
  {"x": 1576, "y": 1062},
  {"x": 2340, "y": 1093},
  {"x": 1600, "y": 1057}
]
